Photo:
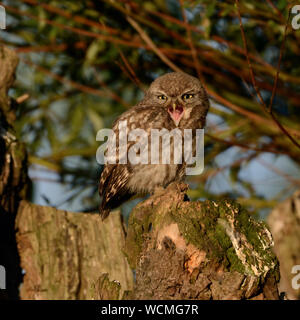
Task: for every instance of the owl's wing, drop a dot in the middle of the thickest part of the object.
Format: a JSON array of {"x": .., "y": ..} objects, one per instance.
[
  {"x": 112, "y": 187},
  {"x": 114, "y": 178}
]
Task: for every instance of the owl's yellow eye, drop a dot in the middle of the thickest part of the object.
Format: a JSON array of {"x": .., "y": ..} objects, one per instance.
[
  {"x": 162, "y": 97},
  {"x": 187, "y": 96}
]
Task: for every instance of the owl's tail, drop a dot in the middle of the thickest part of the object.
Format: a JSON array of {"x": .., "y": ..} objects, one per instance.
[{"x": 104, "y": 212}]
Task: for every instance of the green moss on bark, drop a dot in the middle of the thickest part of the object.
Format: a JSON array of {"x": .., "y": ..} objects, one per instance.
[{"x": 222, "y": 229}]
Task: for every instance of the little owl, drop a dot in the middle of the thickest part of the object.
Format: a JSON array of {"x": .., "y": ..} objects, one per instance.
[{"x": 174, "y": 100}]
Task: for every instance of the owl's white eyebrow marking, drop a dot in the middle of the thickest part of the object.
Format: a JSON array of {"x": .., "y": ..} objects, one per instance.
[
  {"x": 189, "y": 91},
  {"x": 160, "y": 93}
]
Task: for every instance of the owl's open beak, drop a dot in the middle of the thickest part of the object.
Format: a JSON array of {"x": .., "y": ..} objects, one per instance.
[{"x": 176, "y": 112}]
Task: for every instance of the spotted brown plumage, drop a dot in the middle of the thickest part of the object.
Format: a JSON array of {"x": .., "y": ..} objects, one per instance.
[{"x": 174, "y": 100}]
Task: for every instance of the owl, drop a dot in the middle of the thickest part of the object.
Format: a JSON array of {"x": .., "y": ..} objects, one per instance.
[{"x": 173, "y": 101}]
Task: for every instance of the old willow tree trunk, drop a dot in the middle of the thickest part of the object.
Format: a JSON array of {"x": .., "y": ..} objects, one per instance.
[
  {"x": 196, "y": 250},
  {"x": 284, "y": 222},
  {"x": 61, "y": 253},
  {"x": 179, "y": 249},
  {"x": 199, "y": 250},
  {"x": 13, "y": 176}
]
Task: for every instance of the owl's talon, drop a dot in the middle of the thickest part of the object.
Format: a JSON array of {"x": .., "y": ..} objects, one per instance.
[{"x": 158, "y": 190}]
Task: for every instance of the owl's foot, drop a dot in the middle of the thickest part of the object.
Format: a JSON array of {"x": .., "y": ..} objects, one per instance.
[
  {"x": 158, "y": 190},
  {"x": 178, "y": 186},
  {"x": 186, "y": 198}
]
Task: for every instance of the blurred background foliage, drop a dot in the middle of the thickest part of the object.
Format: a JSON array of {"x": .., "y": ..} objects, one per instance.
[{"x": 82, "y": 63}]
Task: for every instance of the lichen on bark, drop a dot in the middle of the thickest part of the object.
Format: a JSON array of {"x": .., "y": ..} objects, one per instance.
[
  {"x": 199, "y": 250},
  {"x": 106, "y": 289}
]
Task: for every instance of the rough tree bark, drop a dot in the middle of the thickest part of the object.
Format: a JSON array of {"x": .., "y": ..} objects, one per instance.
[
  {"x": 284, "y": 222},
  {"x": 197, "y": 250},
  {"x": 63, "y": 252},
  {"x": 13, "y": 176}
]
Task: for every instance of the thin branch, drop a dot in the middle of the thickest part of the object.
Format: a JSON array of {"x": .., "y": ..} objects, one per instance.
[
  {"x": 22, "y": 98},
  {"x": 217, "y": 97},
  {"x": 239, "y": 72},
  {"x": 113, "y": 95},
  {"x": 264, "y": 68},
  {"x": 135, "y": 78},
  {"x": 265, "y": 108},
  {"x": 248, "y": 58},
  {"x": 276, "y": 9},
  {"x": 69, "y": 16},
  {"x": 75, "y": 30},
  {"x": 51, "y": 47},
  {"x": 191, "y": 44},
  {"x": 210, "y": 173},
  {"x": 66, "y": 81},
  {"x": 125, "y": 71},
  {"x": 150, "y": 43},
  {"x": 278, "y": 64},
  {"x": 197, "y": 30},
  {"x": 44, "y": 163},
  {"x": 243, "y": 146},
  {"x": 289, "y": 178}
]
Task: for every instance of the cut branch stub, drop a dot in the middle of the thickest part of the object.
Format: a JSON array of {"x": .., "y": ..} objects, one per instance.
[
  {"x": 105, "y": 289},
  {"x": 8, "y": 64},
  {"x": 199, "y": 250}
]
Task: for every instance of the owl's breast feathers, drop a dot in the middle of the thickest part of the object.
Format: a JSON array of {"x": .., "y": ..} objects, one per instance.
[
  {"x": 114, "y": 181},
  {"x": 119, "y": 182}
]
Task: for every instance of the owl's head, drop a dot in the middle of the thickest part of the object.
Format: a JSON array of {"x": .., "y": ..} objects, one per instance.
[{"x": 182, "y": 96}]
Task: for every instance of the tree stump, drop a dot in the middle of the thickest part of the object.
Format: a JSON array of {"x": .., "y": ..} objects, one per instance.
[
  {"x": 199, "y": 250},
  {"x": 284, "y": 222},
  {"x": 63, "y": 252}
]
